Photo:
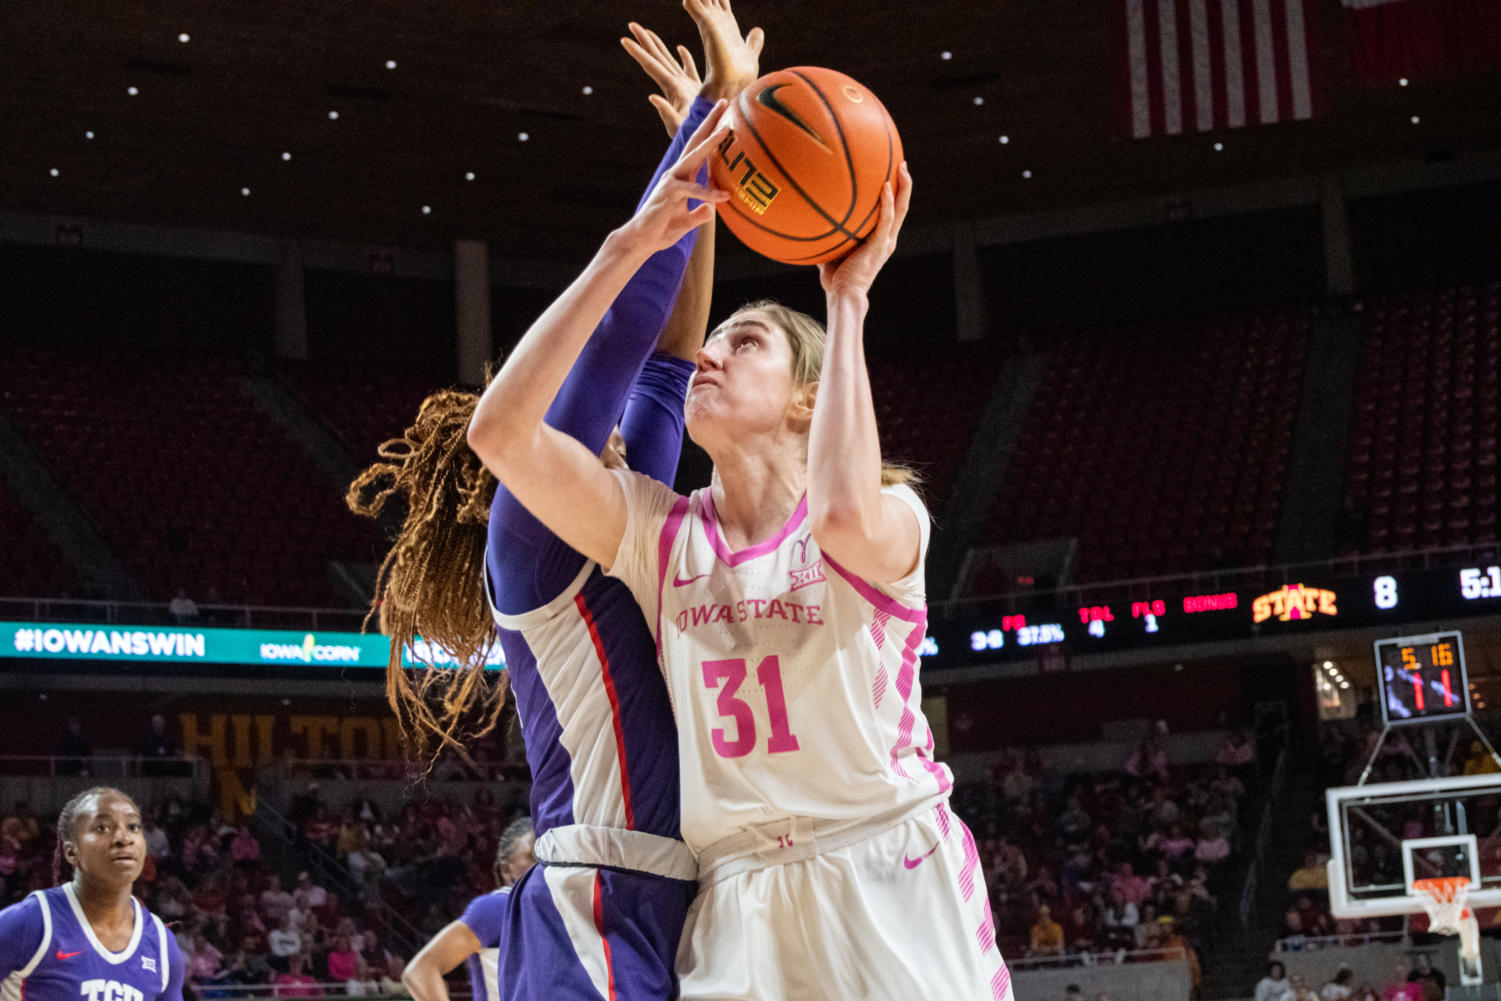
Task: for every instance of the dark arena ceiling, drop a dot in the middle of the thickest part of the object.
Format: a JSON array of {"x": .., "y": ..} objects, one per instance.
[{"x": 213, "y": 116}]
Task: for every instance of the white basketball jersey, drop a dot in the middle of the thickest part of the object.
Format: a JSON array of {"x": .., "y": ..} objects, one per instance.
[{"x": 794, "y": 682}]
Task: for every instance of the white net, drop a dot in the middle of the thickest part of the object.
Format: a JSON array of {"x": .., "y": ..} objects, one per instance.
[{"x": 1444, "y": 900}]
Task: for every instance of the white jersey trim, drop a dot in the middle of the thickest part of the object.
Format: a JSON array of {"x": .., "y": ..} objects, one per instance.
[
  {"x": 616, "y": 848},
  {"x": 41, "y": 950},
  {"x": 161, "y": 941},
  {"x": 541, "y": 614},
  {"x": 115, "y": 958}
]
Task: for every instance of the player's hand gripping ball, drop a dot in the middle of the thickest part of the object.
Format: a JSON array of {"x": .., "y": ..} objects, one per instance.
[{"x": 804, "y": 161}]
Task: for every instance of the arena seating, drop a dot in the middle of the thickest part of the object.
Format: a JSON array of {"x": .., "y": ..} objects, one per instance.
[
  {"x": 927, "y": 409},
  {"x": 1422, "y": 456},
  {"x": 1161, "y": 449},
  {"x": 29, "y": 565},
  {"x": 191, "y": 484},
  {"x": 363, "y": 405}
]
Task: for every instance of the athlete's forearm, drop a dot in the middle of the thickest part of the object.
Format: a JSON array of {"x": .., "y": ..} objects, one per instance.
[
  {"x": 844, "y": 448},
  {"x": 424, "y": 982}
]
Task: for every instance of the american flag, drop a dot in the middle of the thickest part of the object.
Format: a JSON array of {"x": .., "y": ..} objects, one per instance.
[{"x": 1202, "y": 65}]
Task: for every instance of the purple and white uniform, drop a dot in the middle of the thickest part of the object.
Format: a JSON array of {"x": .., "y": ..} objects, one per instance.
[
  {"x": 486, "y": 917},
  {"x": 601, "y": 913},
  {"x": 48, "y": 952}
]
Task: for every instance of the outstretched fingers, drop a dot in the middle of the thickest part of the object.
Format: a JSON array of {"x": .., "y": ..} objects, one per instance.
[{"x": 702, "y": 141}]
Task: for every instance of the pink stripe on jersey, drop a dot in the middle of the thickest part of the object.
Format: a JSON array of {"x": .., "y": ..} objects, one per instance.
[
  {"x": 883, "y": 602},
  {"x": 985, "y": 934},
  {"x": 943, "y": 820},
  {"x": 971, "y": 863},
  {"x": 670, "y": 529},
  {"x": 879, "y": 688},
  {"x": 940, "y": 775},
  {"x": 609, "y": 679},
  {"x": 1000, "y": 984},
  {"x": 905, "y": 678},
  {"x": 710, "y": 518}
]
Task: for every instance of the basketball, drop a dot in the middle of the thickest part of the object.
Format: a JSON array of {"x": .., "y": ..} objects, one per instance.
[{"x": 805, "y": 158}]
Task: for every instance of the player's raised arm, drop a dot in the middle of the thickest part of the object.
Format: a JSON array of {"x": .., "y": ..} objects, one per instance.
[
  {"x": 554, "y": 476},
  {"x": 872, "y": 534}
]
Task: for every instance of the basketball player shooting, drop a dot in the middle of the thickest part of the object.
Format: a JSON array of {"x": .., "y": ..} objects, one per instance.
[{"x": 787, "y": 602}]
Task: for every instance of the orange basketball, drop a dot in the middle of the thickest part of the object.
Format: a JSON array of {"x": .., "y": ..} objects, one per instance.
[{"x": 804, "y": 160}]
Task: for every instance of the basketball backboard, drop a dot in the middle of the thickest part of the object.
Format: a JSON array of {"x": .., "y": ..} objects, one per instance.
[{"x": 1385, "y": 835}]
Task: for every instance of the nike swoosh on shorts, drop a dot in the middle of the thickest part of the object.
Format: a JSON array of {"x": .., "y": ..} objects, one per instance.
[{"x": 913, "y": 863}]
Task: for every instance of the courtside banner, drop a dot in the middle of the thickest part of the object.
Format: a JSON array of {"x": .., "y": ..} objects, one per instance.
[{"x": 186, "y": 645}]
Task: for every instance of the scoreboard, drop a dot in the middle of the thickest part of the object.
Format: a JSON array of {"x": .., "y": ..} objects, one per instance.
[
  {"x": 1014, "y": 628},
  {"x": 1422, "y": 678}
]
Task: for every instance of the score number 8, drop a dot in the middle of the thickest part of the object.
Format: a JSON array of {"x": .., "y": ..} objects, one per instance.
[{"x": 1386, "y": 592}]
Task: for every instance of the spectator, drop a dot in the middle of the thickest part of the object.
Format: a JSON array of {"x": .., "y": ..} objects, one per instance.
[
  {"x": 276, "y": 903},
  {"x": 184, "y": 609},
  {"x": 1148, "y": 760},
  {"x": 366, "y": 865},
  {"x": 1073, "y": 993},
  {"x": 285, "y": 941},
  {"x": 1119, "y": 918},
  {"x": 1429, "y": 980},
  {"x": 158, "y": 748},
  {"x": 343, "y": 961},
  {"x": 202, "y": 961},
  {"x": 244, "y": 849},
  {"x": 1301, "y": 990},
  {"x": 158, "y": 846},
  {"x": 75, "y": 749},
  {"x": 1309, "y": 876},
  {"x": 1133, "y": 888},
  {"x": 1480, "y": 761},
  {"x": 1340, "y": 987},
  {"x": 1401, "y": 989},
  {"x": 247, "y": 965},
  {"x": 1274, "y": 986},
  {"x": 1211, "y": 848},
  {"x": 1046, "y": 934},
  {"x": 309, "y": 895},
  {"x": 295, "y": 983},
  {"x": 1178, "y": 947}
]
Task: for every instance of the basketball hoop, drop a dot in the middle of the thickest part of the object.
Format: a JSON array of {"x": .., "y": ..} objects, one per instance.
[{"x": 1444, "y": 899}]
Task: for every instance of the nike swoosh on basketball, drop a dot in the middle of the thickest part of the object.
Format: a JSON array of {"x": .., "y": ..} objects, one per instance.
[
  {"x": 913, "y": 863},
  {"x": 680, "y": 582},
  {"x": 767, "y": 98},
  {"x": 67, "y": 955}
]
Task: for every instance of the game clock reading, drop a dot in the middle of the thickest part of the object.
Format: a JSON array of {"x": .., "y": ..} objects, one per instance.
[{"x": 1422, "y": 678}]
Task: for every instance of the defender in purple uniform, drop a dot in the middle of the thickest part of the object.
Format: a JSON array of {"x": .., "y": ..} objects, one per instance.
[
  {"x": 89, "y": 939},
  {"x": 600, "y": 916}
]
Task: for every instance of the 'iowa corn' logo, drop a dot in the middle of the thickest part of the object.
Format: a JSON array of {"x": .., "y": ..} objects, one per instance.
[{"x": 1294, "y": 601}]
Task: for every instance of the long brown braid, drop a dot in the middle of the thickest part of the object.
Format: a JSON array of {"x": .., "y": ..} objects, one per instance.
[{"x": 431, "y": 582}]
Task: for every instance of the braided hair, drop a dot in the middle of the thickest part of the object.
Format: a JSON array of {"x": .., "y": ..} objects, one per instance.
[
  {"x": 431, "y": 581},
  {"x": 514, "y": 832},
  {"x": 62, "y": 869}
]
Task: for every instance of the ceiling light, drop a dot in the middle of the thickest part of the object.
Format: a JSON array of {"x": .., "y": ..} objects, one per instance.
[
  {"x": 286, "y": 156},
  {"x": 245, "y": 192},
  {"x": 183, "y": 38},
  {"x": 1344, "y": 684},
  {"x": 333, "y": 116},
  {"x": 390, "y": 64},
  {"x": 1027, "y": 174},
  {"x": 1219, "y": 147},
  {"x": 522, "y": 136},
  {"x": 979, "y": 100},
  {"x": 427, "y": 210},
  {"x": 1402, "y": 82},
  {"x": 945, "y": 55},
  {"x": 89, "y": 134},
  {"x": 1328, "y": 665},
  {"x": 469, "y": 175},
  {"x": 587, "y": 90},
  {"x": 1005, "y": 140},
  {"x": 132, "y": 91},
  {"x": 1416, "y": 119},
  {"x": 53, "y": 171}
]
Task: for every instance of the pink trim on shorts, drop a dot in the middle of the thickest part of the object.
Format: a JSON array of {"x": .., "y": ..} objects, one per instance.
[
  {"x": 880, "y": 600},
  {"x": 710, "y": 518},
  {"x": 971, "y": 863},
  {"x": 670, "y": 529},
  {"x": 1000, "y": 984}
]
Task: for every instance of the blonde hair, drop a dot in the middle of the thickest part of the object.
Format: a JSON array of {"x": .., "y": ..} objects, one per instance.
[
  {"x": 431, "y": 583},
  {"x": 806, "y": 337}
]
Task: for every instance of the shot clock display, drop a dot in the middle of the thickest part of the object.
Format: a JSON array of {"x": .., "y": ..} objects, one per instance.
[{"x": 1422, "y": 678}]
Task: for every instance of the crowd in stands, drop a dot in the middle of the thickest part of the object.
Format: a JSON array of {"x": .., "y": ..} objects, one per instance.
[
  {"x": 1419, "y": 982},
  {"x": 243, "y": 919},
  {"x": 1092, "y": 867}
]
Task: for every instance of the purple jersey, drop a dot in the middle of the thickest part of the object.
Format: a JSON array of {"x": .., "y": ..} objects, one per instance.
[
  {"x": 48, "y": 952},
  {"x": 485, "y": 916}
]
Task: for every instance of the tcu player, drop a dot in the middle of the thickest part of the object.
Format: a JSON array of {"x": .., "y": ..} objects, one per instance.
[
  {"x": 475, "y": 938},
  {"x": 88, "y": 939},
  {"x": 601, "y": 915},
  {"x": 788, "y": 604}
]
